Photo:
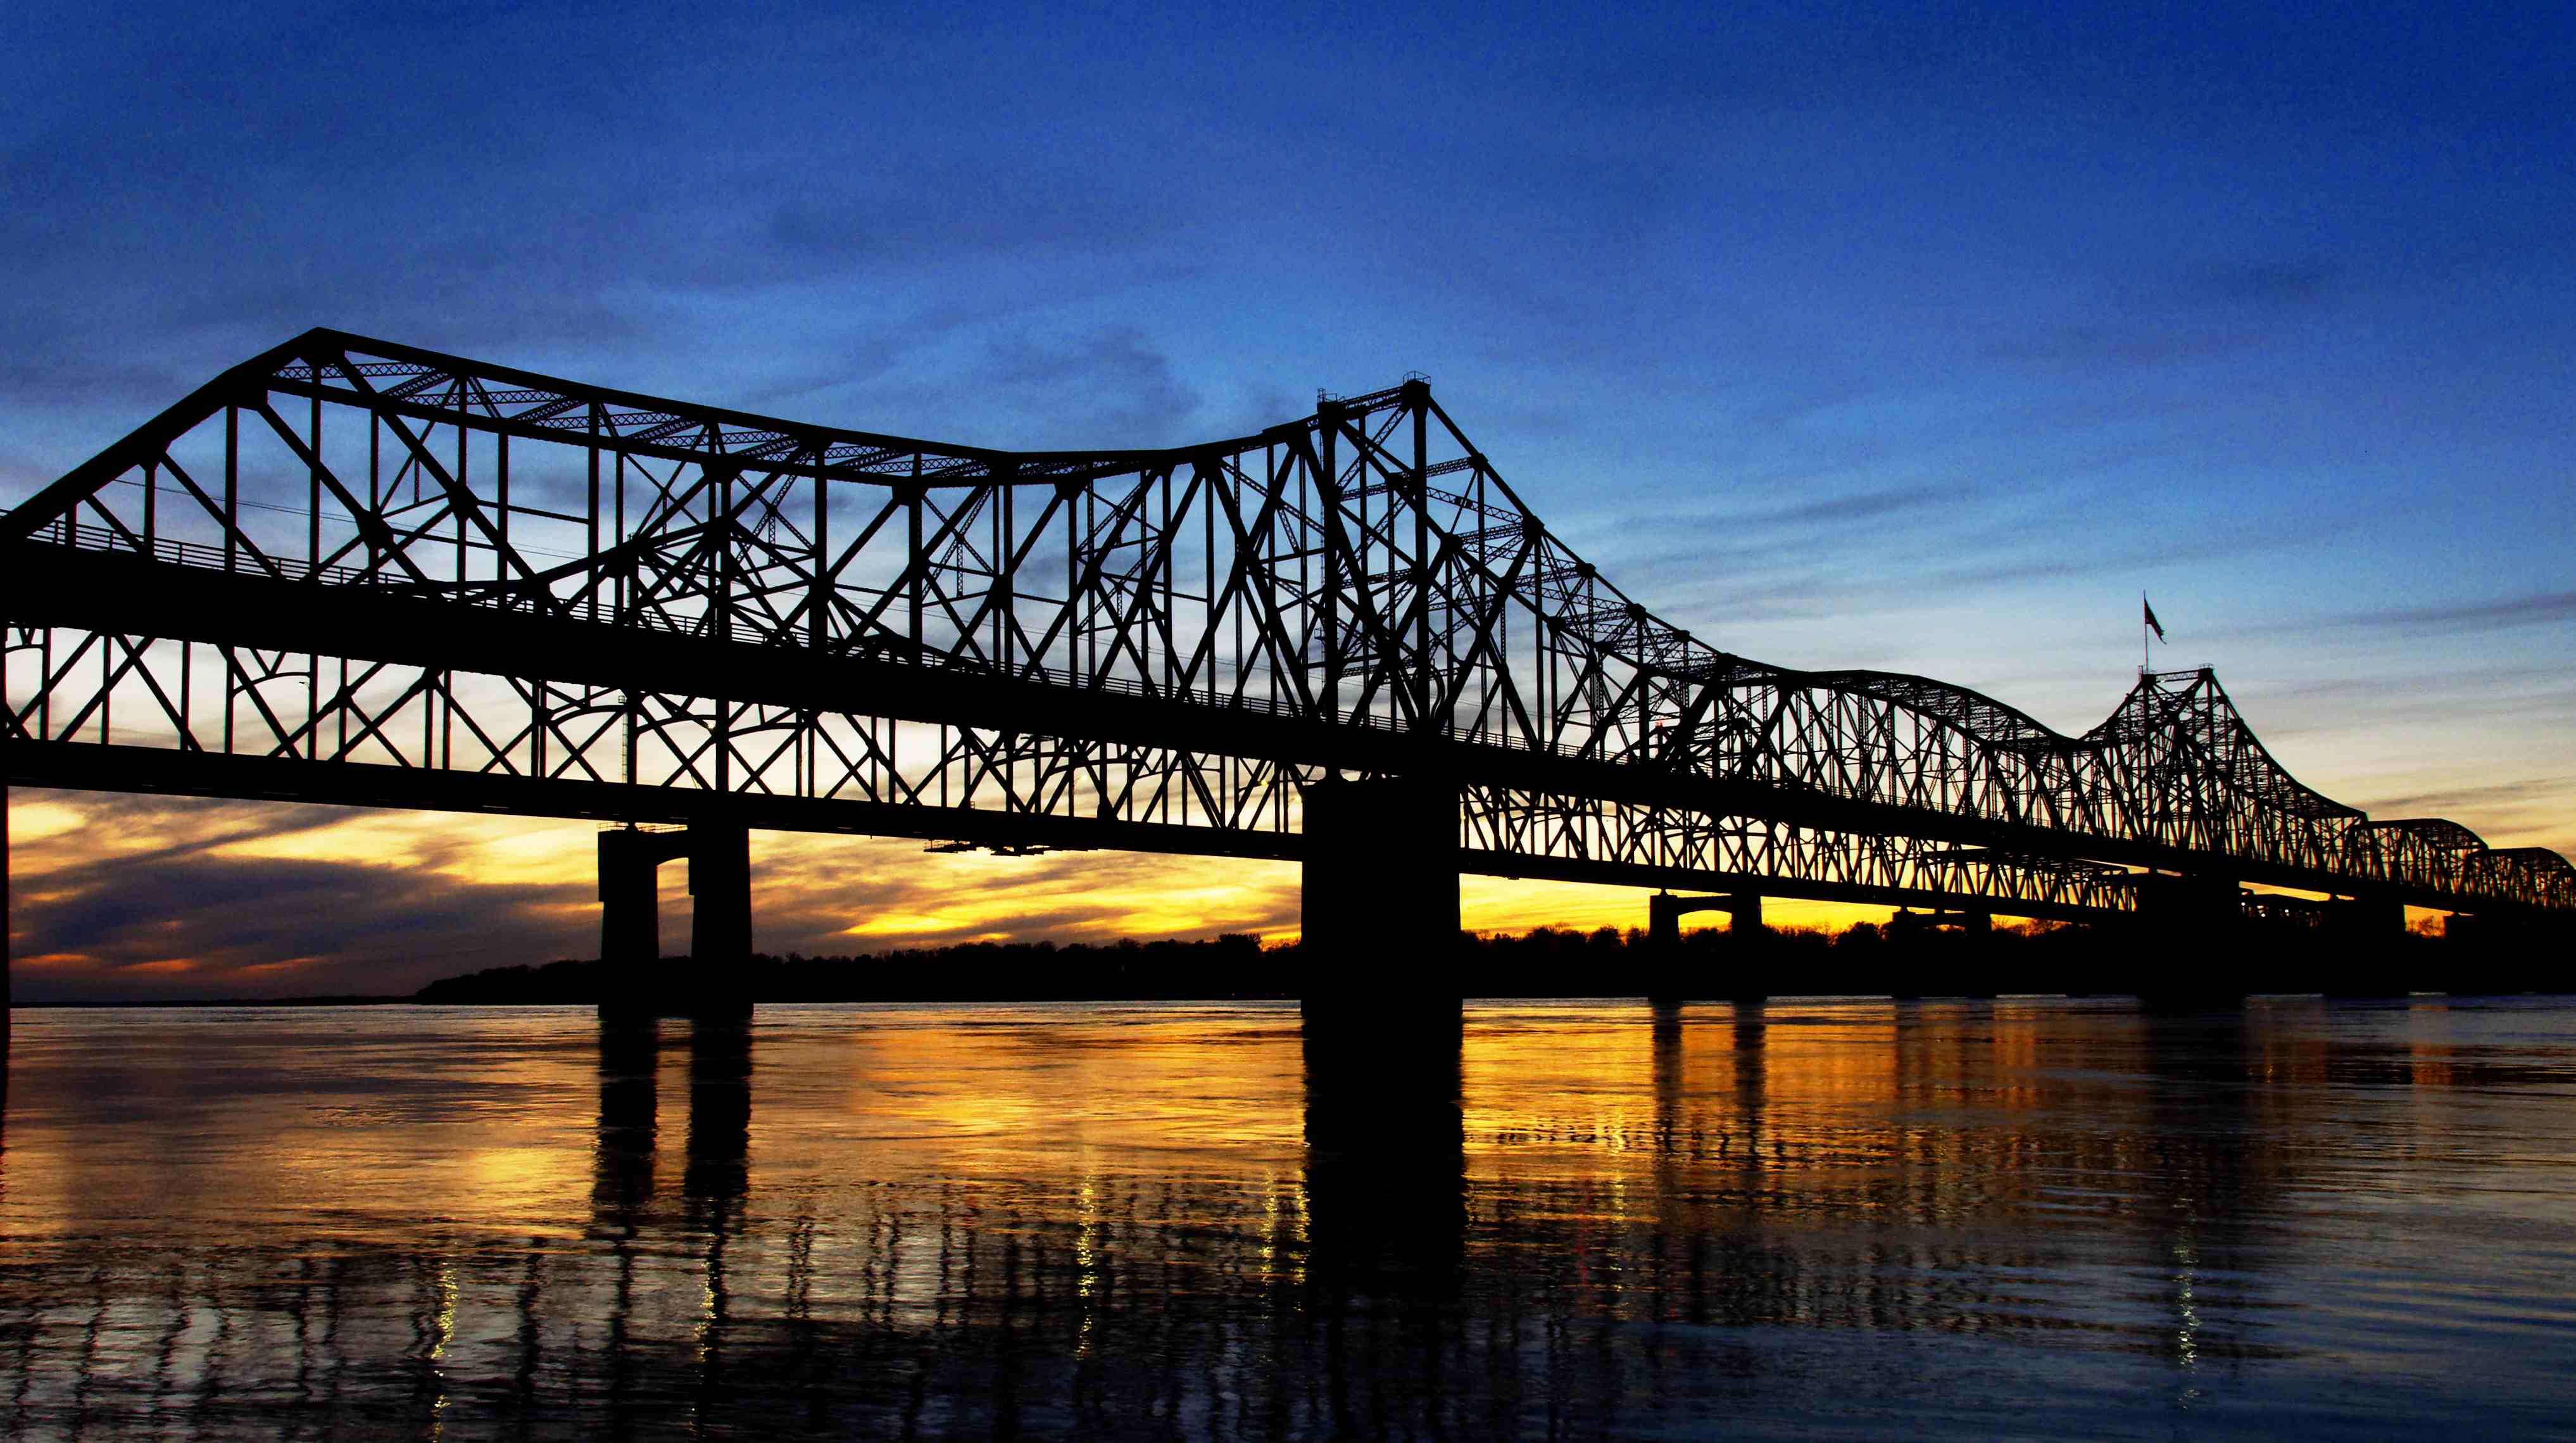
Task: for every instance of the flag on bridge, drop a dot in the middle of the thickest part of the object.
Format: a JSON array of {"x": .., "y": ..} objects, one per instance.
[{"x": 2157, "y": 626}]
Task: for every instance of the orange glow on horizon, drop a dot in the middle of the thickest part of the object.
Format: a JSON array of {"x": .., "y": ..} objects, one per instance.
[{"x": 514, "y": 890}]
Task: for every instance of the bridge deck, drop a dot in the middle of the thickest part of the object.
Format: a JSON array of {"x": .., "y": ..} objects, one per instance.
[{"x": 350, "y": 570}]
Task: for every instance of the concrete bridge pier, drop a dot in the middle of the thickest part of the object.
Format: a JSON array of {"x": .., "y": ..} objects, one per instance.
[
  {"x": 641, "y": 982},
  {"x": 1666, "y": 986},
  {"x": 1668, "y": 979},
  {"x": 1745, "y": 914},
  {"x": 1980, "y": 979},
  {"x": 1379, "y": 914},
  {"x": 2500, "y": 953},
  {"x": 2188, "y": 945},
  {"x": 2363, "y": 942},
  {"x": 630, "y": 921}
]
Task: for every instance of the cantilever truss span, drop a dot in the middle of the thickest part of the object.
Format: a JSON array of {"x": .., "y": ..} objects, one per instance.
[{"x": 357, "y": 571}]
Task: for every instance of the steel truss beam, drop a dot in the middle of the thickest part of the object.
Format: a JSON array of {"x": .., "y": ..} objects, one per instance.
[
  {"x": 1033, "y": 794},
  {"x": 349, "y": 552}
]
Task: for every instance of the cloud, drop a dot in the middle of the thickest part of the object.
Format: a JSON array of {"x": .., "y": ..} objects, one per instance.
[
  {"x": 2533, "y": 609},
  {"x": 71, "y": 374},
  {"x": 227, "y": 926},
  {"x": 2541, "y": 790},
  {"x": 1113, "y": 379},
  {"x": 129, "y": 895},
  {"x": 2197, "y": 312},
  {"x": 2242, "y": 541},
  {"x": 1100, "y": 388},
  {"x": 137, "y": 830},
  {"x": 1828, "y": 511},
  {"x": 822, "y": 895}
]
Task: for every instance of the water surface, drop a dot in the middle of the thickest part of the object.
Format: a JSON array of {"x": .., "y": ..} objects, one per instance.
[{"x": 2016, "y": 1218}]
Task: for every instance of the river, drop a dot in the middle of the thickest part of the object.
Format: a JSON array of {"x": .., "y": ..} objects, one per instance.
[{"x": 2040, "y": 1218}]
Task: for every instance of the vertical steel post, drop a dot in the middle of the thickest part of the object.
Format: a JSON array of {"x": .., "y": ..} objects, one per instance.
[
  {"x": 1417, "y": 399},
  {"x": 1328, "y": 489},
  {"x": 232, "y": 485},
  {"x": 918, "y": 565},
  {"x": 818, "y": 629},
  {"x": 590, "y": 450},
  {"x": 1005, "y": 518},
  {"x": 313, "y": 490}
]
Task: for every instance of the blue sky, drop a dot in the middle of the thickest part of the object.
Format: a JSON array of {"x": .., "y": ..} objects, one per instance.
[{"x": 1920, "y": 337}]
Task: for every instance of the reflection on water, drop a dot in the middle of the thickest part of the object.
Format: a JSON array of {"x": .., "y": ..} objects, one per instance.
[{"x": 2038, "y": 1217}]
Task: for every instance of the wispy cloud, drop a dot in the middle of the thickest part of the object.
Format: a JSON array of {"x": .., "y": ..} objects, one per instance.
[
  {"x": 2545, "y": 790},
  {"x": 228, "y": 925},
  {"x": 1824, "y": 511},
  {"x": 2533, "y": 609}
]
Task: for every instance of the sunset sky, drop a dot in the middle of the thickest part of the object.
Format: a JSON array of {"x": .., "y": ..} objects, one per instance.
[{"x": 1920, "y": 338}]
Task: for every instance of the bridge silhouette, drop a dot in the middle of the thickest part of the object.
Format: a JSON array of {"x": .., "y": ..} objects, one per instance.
[{"x": 356, "y": 572}]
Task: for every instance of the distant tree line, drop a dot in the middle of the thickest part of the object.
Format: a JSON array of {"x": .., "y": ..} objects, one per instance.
[
  {"x": 1907, "y": 957},
  {"x": 1230, "y": 966}
]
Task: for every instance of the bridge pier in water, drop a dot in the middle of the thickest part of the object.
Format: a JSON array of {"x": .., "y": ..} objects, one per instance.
[
  {"x": 641, "y": 983},
  {"x": 1746, "y": 935},
  {"x": 2364, "y": 940},
  {"x": 1379, "y": 910},
  {"x": 2499, "y": 953},
  {"x": 2186, "y": 947}
]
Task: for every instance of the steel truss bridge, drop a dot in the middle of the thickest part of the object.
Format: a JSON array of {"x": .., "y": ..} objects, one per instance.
[{"x": 352, "y": 571}]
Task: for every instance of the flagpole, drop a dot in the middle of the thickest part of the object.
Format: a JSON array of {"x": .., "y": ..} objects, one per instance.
[{"x": 2146, "y": 656}]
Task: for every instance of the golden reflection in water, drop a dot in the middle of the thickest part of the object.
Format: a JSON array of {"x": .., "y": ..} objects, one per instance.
[{"x": 1196, "y": 1219}]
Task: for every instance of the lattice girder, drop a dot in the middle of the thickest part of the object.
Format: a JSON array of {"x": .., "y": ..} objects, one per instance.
[{"x": 1357, "y": 588}]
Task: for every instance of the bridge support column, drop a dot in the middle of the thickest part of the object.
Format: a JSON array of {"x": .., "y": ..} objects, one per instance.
[
  {"x": 1979, "y": 976},
  {"x": 1746, "y": 940},
  {"x": 1664, "y": 920},
  {"x": 1379, "y": 915},
  {"x": 630, "y": 924},
  {"x": 2186, "y": 942},
  {"x": 1749, "y": 941},
  {"x": 1747, "y": 912},
  {"x": 719, "y": 982},
  {"x": 2364, "y": 940},
  {"x": 1663, "y": 960},
  {"x": 635, "y": 983},
  {"x": 2376, "y": 918},
  {"x": 2501, "y": 953},
  {"x": 640, "y": 983}
]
